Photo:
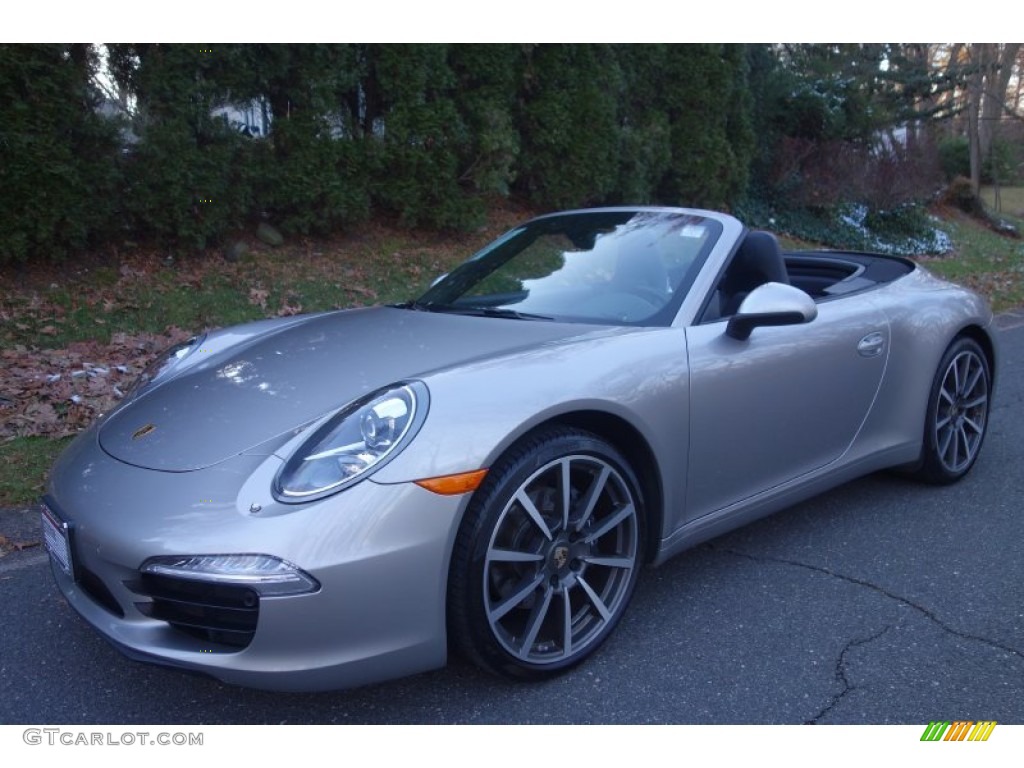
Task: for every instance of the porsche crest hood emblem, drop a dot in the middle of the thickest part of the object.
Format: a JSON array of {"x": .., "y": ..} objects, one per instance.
[{"x": 143, "y": 431}]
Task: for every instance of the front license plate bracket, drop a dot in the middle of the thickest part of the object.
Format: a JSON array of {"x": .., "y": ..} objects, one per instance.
[{"x": 57, "y": 539}]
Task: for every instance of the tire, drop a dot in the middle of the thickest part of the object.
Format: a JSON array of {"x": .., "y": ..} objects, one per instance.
[
  {"x": 543, "y": 569},
  {"x": 957, "y": 417}
]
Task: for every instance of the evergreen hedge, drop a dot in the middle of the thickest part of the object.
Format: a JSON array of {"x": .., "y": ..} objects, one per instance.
[{"x": 424, "y": 134}]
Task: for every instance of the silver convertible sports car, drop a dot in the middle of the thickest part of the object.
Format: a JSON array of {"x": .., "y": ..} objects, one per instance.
[{"x": 329, "y": 500}]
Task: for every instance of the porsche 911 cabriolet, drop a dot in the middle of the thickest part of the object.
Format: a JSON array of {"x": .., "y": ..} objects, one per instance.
[{"x": 329, "y": 500}]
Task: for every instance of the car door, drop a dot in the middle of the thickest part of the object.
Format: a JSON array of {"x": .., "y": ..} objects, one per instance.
[{"x": 780, "y": 404}]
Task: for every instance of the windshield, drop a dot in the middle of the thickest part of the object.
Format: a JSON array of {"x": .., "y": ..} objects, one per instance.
[{"x": 619, "y": 267}]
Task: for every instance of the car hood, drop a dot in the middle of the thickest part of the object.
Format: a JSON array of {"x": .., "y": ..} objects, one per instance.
[{"x": 271, "y": 384}]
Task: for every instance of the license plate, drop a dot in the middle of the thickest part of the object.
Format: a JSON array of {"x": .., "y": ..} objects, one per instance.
[{"x": 56, "y": 535}]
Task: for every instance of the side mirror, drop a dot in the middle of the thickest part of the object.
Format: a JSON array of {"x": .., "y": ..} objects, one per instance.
[{"x": 771, "y": 304}]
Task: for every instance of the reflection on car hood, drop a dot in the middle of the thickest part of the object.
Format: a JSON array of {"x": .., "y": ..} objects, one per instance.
[{"x": 272, "y": 384}]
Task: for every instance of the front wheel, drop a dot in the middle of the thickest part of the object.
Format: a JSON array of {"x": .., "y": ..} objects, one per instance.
[
  {"x": 548, "y": 555},
  {"x": 957, "y": 416}
]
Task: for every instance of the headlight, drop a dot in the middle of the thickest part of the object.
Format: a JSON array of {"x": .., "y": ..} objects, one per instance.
[
  {"x": 164, "y": 363},
  {"x": 360, "y": 439}
]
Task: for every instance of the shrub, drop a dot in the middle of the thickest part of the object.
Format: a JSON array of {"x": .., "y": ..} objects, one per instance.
[
  {"x": 188, "y": 183},
  {"x": 568, "y": 119},
  {"x": 319, "y": 184},
  {"x": 414, "y": 156},
  {"x": 955, "y": 157},
  {"x": 961, "y": 195},
  {"x": 58, "y": 171}
]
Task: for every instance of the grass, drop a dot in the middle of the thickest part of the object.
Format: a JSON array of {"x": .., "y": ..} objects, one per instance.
[
  {"x": 146, "y": 294},
  {"x": 990, "y": 263},
  {"x": 50, "y": 307},
  {"x": 1011, "y": 200},
  {"x": 26, "y": 462}
]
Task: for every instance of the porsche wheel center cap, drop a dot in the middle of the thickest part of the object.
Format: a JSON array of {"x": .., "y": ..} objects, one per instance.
[{"x": 560, "y": 556}]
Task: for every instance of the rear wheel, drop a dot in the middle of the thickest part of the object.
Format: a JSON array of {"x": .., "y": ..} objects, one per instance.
[
  {"x": 547, "y": 557},
  {"x": 957, "y": 413}
]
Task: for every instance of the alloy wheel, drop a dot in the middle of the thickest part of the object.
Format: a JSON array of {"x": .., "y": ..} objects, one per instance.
[{"x": 559, "y": 564}]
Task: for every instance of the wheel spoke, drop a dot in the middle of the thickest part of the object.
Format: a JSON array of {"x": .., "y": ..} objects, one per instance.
[
  {"x": 566, "y": 623},
  {"x": 566, "y": 493},
  {"x": 973, "y": 425},
  {"x": 956, "y": 448},
  {"x": 526, "y": 503},
  {"x": 966, "y": 442},
  {"x": 974, "y": 380},
  {"x": 595, "y": 599},
  {"x": 942, "y": 424},
  {"x": 537, "y": 616},
  {"x": 521, "y": 594},
  {"x": 977, "y": 402},
  {"x": 944, "y": 443},
  {"x": 608, "y": 562},
  {"x": 593, "y": 494},
  {"x": 946, "y": 396},
  {"x": 513, "y": 556},
  {"x": 611, "y": 522}
]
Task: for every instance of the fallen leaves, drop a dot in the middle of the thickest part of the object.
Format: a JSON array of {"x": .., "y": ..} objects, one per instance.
[
  {"x": 258, "y": 297},
  {"x": 59, "y": 392},
  {"x": 8, "y": 545}
]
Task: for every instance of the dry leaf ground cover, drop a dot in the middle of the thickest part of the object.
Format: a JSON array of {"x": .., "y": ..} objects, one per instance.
[{"x": 73, "y": 337}]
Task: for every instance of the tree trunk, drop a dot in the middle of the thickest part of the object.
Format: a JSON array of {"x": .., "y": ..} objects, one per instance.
[
  {"x": 997, "y": 67},
  {"x": 975, "y": 88}
]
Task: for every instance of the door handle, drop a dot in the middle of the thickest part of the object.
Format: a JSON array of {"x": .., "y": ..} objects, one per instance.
[{"x": 871, "y": 345}]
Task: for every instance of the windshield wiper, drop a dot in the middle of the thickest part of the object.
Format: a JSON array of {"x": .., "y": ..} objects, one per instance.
[
  {"x": 475, "y": 311},
  {"x": 511, "y": 313}
]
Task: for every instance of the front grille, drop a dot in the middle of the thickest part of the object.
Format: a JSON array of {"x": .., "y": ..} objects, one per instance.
[{"x": 223, "y": 614}]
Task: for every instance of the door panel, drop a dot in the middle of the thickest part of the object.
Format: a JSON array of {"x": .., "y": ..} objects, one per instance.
[{"x": 784, "y": 402}]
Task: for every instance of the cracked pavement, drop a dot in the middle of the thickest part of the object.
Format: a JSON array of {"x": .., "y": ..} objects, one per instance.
[{"x": 884, "y": 601}]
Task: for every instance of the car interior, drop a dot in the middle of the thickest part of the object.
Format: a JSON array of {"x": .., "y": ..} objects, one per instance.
[{"x": 823, "y": 275}]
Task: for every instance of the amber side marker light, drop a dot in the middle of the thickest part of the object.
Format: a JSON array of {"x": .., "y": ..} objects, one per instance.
[{"x": 451, "y": 485}]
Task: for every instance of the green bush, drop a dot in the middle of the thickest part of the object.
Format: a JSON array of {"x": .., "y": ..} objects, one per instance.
[
  {"x": 190, "y": 177},
  {"x": 187, "y": 184},
  {"x": 414, "y": 154},
  {"x": 704, "y": 92},
  {"x": 421, "y": 133},
  {"x": 955, "y": 157},
  {"x": 1005, "y": 163},
  {"x": 568, "y": 119},
  {"x": 960, "y": 194},
  {"x": 487, "y": 80},
  {"x": 319, "y": 185},
  {"x": 58, "y": 169}
]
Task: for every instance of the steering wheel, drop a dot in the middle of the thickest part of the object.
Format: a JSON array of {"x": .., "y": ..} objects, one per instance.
[{"x": 651, "y": 295}]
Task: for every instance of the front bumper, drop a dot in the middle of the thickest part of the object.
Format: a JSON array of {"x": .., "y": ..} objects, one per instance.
[{"x": 379, "y": 553}]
